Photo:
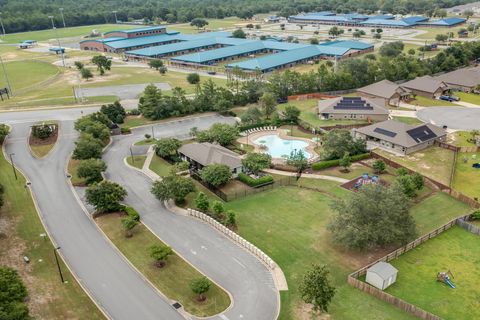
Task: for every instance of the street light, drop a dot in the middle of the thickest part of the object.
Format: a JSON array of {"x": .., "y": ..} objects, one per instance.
[
  {"x": 13, "y": 165},
  {"x": 63, "y": 18},
  {"x": 1, "y": 23},
  {"x": 58, "y": 264},
  {"x": 115, "y": 13},
  {"x": 58, "y": 40},
  {"x": 6, "y": 76}
]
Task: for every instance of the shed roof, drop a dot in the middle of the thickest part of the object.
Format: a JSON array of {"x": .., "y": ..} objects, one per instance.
[
  {"x": 383, "y": 269},
  {"x": 208, "y": 153},
  {"x": 425, "y": 84},
  {"x": 384, "y": 89}
]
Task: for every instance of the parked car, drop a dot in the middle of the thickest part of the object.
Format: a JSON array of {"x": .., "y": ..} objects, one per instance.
[
  {"x": 211, "y": 73},
  {"x": 449, "y": 98}
]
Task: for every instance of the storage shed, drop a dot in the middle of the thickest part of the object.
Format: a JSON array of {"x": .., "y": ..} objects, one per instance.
[{"x": 381, "y": 275}]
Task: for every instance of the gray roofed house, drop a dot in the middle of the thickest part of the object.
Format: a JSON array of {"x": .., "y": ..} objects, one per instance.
[
  {"x": 351, "y": 108},
  {"x": 426, "y": 86},
  {"x": 398, "y": 137},
  {"x": 381, "y": 275},
  {"x": 465, "y": 79},
  {"x": 385, "y": 92},
  {"x": 203, "y": 154}
]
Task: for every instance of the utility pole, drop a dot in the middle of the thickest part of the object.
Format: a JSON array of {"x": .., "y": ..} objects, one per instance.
[
  {"x": 131, "y": 155},
  {"x": 63, "y": 18},
  {"x": 58, "y": 264},
  {"x": 115, "y": 13},
  {"x": 1, "y": 23},
  {"x": 58, "y": 41},
  {"x": 13, "y": 165},
  {"x": 153, "y": 134},
  {"x": 6, "y": 76}
]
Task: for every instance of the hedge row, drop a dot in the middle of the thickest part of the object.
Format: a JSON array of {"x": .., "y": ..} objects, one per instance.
[
  {"x": 336, "y": 162},
  {"x": 254, "y": 182},
  {"x": 131, "y": 212}
]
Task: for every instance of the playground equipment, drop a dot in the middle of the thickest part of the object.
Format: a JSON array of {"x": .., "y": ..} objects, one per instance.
[
  {"x": 366, "y": 179},
  {"x": 443, "y": 277}
]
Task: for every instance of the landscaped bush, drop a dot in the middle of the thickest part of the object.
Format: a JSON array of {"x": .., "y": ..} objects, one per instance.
[
  {"x": 125, "y": 130},
  {"x": 475, "y": 215},
  {"x": 132, "y": 213},
  {"x": 336, "y": 162},
  {"x": 4, "y": 130},
  {"x": 254, "y": 182}
]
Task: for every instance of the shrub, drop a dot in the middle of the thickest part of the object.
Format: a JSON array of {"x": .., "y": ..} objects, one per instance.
[
  {"x": 91, "y": 170},
  {"x": 379, "y": 166},
  {"x": 218, "y": 208},
  {"x": 87, "y": 147},
  {"x": 12, "y": 295},
  {"x": 475, "y": 215},
  {"x": 132, "y": 213},
  {"x": 4, "y": 130},
  {"x": 160, "y": 254},
  {"x": 251, "y": 182},
  {"x": 125, "y": 130},
  {"x": 193, "y": 78},
  {"x": 202, "y": 202},
  {"x": 231, "y": 219},
  {"x": 106, "y": 196},
  {"x": 200, "y": 286},
  {"x": 216, "y": 174},
  {"x": 134, "y": 112},
  {"x": 336, "y": 162}
]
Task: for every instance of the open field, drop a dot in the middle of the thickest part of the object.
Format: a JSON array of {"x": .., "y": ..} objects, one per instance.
[
  {"x": 213, "y": 25},
  {"x": 295, "y": 221},
  {"x": 21, "y": 231},
  {"x": 456, "y": 250},
  {"x": 433, "y": 162},
  {"x": 174, "y": 278},
  {"x": 466, "y": 178},
  {"x": 431, "y": 32}
]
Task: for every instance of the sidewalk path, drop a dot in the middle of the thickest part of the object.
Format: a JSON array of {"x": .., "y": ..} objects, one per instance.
[{"x": 307, "y": 175}]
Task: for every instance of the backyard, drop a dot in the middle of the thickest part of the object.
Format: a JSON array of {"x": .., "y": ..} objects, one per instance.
[
  {"x": 456, "y": 250},
  {"x": 295, "y": 221},
  {"x": 428, "y": 102},
  {"x": 468, "y": 97},
  {"x": 467, "y": 178}
]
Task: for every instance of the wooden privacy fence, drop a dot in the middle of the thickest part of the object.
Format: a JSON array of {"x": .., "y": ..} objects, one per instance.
[
  {"x": 455, "y": 148},
  {"x": 469, "y": 227},
  {"x": 405, "y": 306}
]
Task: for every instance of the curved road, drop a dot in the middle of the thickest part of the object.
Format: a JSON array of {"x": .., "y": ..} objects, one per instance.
[
  {"x": 248, "y": 281},
  {"x": 119, "y": 289}
]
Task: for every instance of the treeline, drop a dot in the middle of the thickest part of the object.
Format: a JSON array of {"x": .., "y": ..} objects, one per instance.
[{"x": 26, "y": 15}]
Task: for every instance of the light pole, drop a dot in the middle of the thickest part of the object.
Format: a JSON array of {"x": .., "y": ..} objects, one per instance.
[
  {"x": 1, "y": 23},
  {"x": 131, "y": 155},
  {"x": 58, "y": 40},
  {"x": 6, "y": 76},
  {"x": 13, "y": 165},
  {"x": 58, "y": 264},
  {"x": 63, "y": 18},
  {"x": 115, "y": 13},
  {"x": 153, "y": 134}
]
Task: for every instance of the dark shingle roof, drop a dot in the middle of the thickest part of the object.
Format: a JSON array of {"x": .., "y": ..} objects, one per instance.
[{"x": 208, "y": 153}]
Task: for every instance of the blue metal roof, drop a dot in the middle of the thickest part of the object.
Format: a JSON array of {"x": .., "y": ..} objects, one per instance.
[
  {"x": 320, "y": 13},
  {"x": 143, "y": 41},
  {"x": 414, "y": 20},
  {"x": 446, "y": 22},
  {"x": 138, "y": 30},
  {"x": 350, "y": 44},
  {"x": 383, "y": 16},
  {"x": 385, "y": 22}
]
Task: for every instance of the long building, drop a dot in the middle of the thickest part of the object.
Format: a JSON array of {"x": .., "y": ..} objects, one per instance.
[{"x": 380, "y": 21}]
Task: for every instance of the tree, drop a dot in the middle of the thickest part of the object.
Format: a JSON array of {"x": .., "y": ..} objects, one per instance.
[
  {"x": 268, "y": 103},
  {"x": 377, "y": 36},
  {"x": 405, "y": 183},
  {"x": 391, "y": 49},
  {"x": 102, "y": 63},
  {"x": 173, "y": 187},
  {"x": 114, "y": 111},
  {"x": 106, "y": 196},
  {"x": 79, "y": 65},
  {"x": 218, "y": 208},
  {"x": 298, "y": 160},
  {"x": 87, "y": 147},
  {"x": 167, "y": 147},
  {"x": 252, "y": 115},
  {"x": 291, "y": 114},
  {"x": 345, "y": 161},
  {"x": 216, "y": 174},
  {"x": 91, "y": 170},
  {"x": 374, "y": 216},
  {"x": 86, "y": 73},
  {"x": 411, "y": 52},
  {"x": 160, "y": 253},
  {"x": 418, "y": 180},
  {"x": 128, "y": 224},
  {"x": 316, "y": 289},
  {"x": 335, "y": 31},
  {"x": 193, "y": 78},
  {"x": 155, "y": 64},
  {"x": 314, "y": 41},
  {"x": 255, "y": 162},
  {"x": 441, "y": 37},
  {"x": 162, "y": 70},
  {"x": 200, "y": 286},
  {"x": 222, "y": 133},
  {"x": 4, "y": 130},
  {"x": 202, "y": 202},
  {"x": 43, "y": 131},
  {"x": 337, "y": 142},
  {"x": 468, "y": 14},
  {"x": 402, "y": 172},
  {"x": 239, "y": 34},
  {"x": 379, "y": 166},
  {"x": 13, "y": 294},
  {"x": 199, "y": 23}
]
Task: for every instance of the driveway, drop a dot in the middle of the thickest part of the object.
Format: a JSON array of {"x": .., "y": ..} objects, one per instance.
[
  {"x": 248, "y": 281},
  {"x": 127, "y": 91},
  {"x": 453, "y": 117},
  {"x": 118, "y": 289}
]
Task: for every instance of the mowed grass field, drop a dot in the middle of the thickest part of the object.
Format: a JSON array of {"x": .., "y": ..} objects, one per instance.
[
  {"x": 290, "y": 226},
  {"x": 21, "y": 230},
  {"x": 467, "y": 178},
  {"x": 456, "y": 250},
  {"x": 23, "y": 75}
]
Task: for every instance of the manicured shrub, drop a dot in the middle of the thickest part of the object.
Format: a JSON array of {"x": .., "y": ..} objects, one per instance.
[
  {"x": 336, "y": 162},
  {"x": 267, "y": 179}
]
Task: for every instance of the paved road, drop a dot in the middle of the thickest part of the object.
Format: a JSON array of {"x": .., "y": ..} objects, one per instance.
[
  {"x": 453, "y": 117},
  {"x": 241, "y": 274}
]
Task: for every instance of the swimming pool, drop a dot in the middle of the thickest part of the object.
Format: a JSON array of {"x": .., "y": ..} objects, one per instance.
[{"x": 281, "y": 148}]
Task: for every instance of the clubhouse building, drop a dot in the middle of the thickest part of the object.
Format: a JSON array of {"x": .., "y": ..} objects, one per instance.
[{"x": 351, "y": 108}]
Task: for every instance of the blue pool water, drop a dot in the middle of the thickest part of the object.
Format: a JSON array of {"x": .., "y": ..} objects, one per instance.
[{"x": 281, "y": 148}]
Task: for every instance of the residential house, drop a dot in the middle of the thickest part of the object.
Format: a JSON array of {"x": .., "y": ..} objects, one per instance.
[
  {"x": 351, "y": 108},
  {"x": 426, "y": 86},
  {"x": 385, "y": 92},
  {"x": 466, "y": 79}
]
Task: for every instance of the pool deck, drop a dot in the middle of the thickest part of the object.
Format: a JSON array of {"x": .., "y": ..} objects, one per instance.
[{"x": 283, "y": 134}]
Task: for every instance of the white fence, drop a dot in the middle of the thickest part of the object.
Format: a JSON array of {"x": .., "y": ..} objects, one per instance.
[{"x": 235, "y": 237}]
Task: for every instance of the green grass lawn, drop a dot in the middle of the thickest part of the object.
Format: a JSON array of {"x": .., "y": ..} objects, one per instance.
[
  {"x": 72, "y": 170},
  {"x": 213, "y": 25},
  {"x": 468, "y": 97},
  {"x": 456, "y": 250},
  {"x": 137, "y": 161},
  {"x": 427, "y": 102},
  {"x": 145, "y": 142},
  {"x": 160, "y": 166},
  {"x": 433, "y": 162},
  {"x": 174, "y": 279},
  {"x": 460, "y": 139},
  {"x": 21, "y": 229},
  {"x": 467, "y": 179},
  {"x": 408, "y": 120},
  {"x": 431, "y": 32},
  {"x": 22, "y": 75},
  {"x": 41, "y": 150},
  {"x": 290, "y": 227}
]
